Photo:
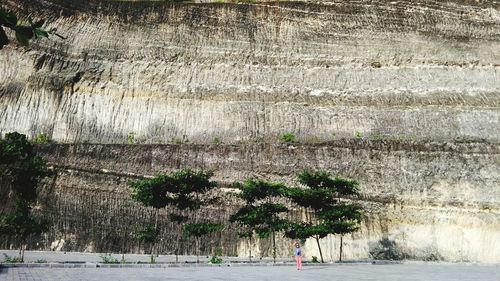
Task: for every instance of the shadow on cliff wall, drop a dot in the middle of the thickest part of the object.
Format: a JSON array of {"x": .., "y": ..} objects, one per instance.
[{"x": 386, "y": 249}]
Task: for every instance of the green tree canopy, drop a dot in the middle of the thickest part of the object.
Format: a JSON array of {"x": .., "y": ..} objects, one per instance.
[
  {"x": 254, "y": 189},
  {"x": 261, "y": 214},
  {"x": 179, "y": 189},
  {"x": 21, "y": 168},
  {"x": 148, "y": 234},
  {"x": 264, "y": 219},
  {"x": 322, "y": 196},
  {"x": 186, "y": 186},
  {"x": 324, "y": 180},
  {"x": 21, "y": 224},
  {"x": 185, "y": 190},
  {"x": 151, "y": 192}
]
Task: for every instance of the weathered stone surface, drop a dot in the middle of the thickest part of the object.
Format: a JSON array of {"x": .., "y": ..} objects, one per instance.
[
  {"x": 255, "y": 71},
  {"x": 418, "y": 79},
  {"x": 423, "y": 200}
]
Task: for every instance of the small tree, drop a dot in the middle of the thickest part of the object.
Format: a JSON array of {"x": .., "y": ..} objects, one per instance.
[
  {"x": 188, "y": 190},
  {"x": 21, "y": 225},
  {"x": 322, "y": 199},
  {"x": 149, "y": 234},
  {"x": 260, "y": 214},
  {"x": 185, "y": 191},
  {"x": 151, "y": 193},
  {"x": 198, "y": 230},
  {"x": 23, "y": 170}
]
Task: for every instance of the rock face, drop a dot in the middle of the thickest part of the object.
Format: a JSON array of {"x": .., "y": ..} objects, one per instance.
[
  {"x": 252, "y": 72},
  {"x": 415, "y": 84}
]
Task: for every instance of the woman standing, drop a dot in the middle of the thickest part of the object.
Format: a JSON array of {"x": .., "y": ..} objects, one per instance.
[{"x": 298, "y": 255}]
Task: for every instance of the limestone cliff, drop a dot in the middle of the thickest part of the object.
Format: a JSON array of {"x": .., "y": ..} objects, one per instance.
[
  {"x": 416, "y": 83},
  {"x": 253, "y": 71}
]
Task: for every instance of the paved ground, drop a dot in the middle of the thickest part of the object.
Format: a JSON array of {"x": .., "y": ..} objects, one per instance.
[
  {"x": 364, "y": 272},
  {"x": 86, "y": 269}
]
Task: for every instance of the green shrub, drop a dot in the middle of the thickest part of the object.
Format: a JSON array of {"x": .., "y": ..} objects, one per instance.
[
  {"x": 288, "y": 138},
  {"x": 216, "y": 141},
  {"x": 41, "y": 138},
  {"x": 41, "y": 261},
  {"x": 386, "y": 249},
  {"x": 358, "y": 135},
  {"x": 108, "y": 258},
  {"x": 9, "y": 259},
  {"x": 131, "y": 138},
  {"x": 314, "y": 259},
  {"x": 376, "y": 64},
  {"x": 215, "y": 260},
  {"x": 148, "y": 234}
]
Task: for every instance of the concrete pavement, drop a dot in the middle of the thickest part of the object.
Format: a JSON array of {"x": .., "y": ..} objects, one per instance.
[
  {"x": 60, "y": 266},
  {"x": 363, "y": 272}
]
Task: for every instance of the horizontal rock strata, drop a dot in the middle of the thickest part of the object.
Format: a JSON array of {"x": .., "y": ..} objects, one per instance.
[
  {"x": 402, "y": 95},
  {"x": 425, "y": 201},
  {"x": 240, "y": 72}
]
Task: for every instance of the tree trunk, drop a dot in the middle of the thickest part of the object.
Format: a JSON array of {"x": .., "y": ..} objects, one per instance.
[
  {"x": 197, "y": 250},
  {"x": 250, "y": 249},
  {"x": 197, "y": 238},
  {"x": 319, "y": 248},
  {"x": 24, "y": 248},
  {"x": 152, "y": 255},
  {"x": 153, "y": 244},
  {"x": 274, "y": 247},
  {"x": 20, "y": 252},
  {"x": 123, "y": 248},
  {"x": 341, "y": 242},
  {"x": 177, "y": 241}
]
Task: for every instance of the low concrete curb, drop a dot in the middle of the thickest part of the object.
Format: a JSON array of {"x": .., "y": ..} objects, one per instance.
[{"x": 169, "y": 265}]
